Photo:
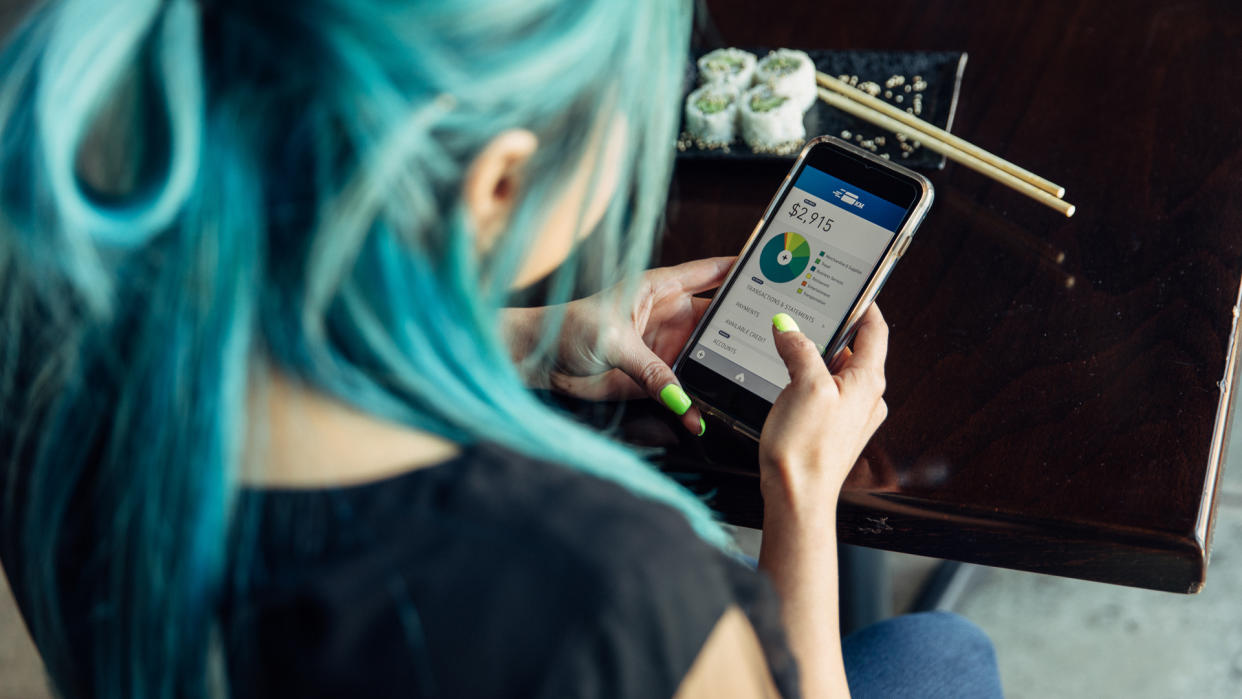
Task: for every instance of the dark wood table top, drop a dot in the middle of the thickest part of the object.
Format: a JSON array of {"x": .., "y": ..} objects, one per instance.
[{"x": 1058, "y": 389}]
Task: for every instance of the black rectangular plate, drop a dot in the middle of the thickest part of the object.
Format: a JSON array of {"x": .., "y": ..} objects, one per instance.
[{"x": 941, "y": 70}]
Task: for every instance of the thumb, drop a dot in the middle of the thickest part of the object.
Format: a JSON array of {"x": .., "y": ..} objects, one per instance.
[
  {"x": 645, "y": 367},
  {"x": 799, "y": 353}
]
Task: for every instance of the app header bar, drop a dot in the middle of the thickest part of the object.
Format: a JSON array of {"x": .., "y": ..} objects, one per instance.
[{"x": 861, "y": 203}]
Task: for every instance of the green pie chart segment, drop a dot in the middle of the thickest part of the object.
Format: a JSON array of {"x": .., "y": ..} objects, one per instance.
[{"x": 784, "y": 257}]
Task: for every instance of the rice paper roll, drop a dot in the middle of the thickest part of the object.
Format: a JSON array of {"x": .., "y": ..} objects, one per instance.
[
  {"x": 789, "y": 73},
  {"x": 711, "y": 114},
  {"x": 730, "y": 66},
  {"x": 771, "y": 123}
]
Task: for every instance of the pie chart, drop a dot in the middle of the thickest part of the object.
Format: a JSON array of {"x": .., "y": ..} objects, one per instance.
[{"x": 784, "y": 257}]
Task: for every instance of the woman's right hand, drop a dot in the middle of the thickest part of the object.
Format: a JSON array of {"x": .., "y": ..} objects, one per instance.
[
  {"x": 820, "y": 423},
  {"x": 813, "y": 435}
]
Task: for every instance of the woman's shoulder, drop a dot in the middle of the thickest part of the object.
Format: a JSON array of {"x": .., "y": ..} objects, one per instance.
[
  {"x": 594, "y": 520},
  {"x": 551, "y": 578},
  {"x": 644, "y": 586}
]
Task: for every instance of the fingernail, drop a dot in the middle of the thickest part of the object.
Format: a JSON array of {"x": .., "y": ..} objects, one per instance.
[
  {"x": 702, "y": 427},
  {"x": 784, "y": 323},
  {"x": 675, "y": 398}
]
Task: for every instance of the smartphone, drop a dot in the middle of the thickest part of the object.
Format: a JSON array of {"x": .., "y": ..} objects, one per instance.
[{"x": 821, "y": 253}]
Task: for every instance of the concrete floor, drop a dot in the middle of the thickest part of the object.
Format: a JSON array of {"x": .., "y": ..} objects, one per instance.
[
  {"x": 1054, "y": 637},
  {"x": 1066, "y": 638},
  {"x": 1057, "y": 637},
  {"x": 21, "y": 673}
]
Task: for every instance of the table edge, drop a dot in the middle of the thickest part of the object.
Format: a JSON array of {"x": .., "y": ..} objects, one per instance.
[{"x": 1222, "y": 433}]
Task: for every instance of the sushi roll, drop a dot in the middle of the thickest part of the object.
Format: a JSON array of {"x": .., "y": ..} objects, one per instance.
[
  {"x": 733, "y": 67},
  {"x": 771, "y": 123},
  {"x": 790, "y": 73},
  {"x": 711, "y": 114}
]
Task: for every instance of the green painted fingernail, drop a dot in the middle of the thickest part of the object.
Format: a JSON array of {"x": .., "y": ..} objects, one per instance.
[
  {"x": 675, "y": 398},
  {"x": 702, "y": 427},
  {"x": 784, "y": 323}
]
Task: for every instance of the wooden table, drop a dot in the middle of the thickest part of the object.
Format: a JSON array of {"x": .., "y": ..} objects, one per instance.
[{"x": 1058, "y": 389}]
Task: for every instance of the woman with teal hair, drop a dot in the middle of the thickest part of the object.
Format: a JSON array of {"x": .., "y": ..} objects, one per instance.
[{"x": 267, "y": 426}]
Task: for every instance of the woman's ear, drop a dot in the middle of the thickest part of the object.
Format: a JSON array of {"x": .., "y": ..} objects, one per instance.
[{"x": 494, "y": 182}]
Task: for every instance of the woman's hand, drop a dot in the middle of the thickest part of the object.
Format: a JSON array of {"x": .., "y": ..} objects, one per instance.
[
  {"x": 820, "y": 423},
  {"x": 610, "y": 349},
  {"x": 815, "y": 432}
]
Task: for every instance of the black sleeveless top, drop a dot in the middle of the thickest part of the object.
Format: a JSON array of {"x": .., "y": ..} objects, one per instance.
[{"x": 491, "y": 575}]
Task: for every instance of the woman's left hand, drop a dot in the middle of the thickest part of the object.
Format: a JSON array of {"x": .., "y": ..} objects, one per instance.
[{"x": 609, "y": 350}]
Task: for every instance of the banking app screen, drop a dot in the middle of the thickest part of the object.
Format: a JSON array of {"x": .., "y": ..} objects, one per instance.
[{"x": 811, "y": 261}]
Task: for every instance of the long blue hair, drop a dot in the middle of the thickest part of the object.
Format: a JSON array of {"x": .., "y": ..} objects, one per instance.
[{"x": 193, "y": 191}]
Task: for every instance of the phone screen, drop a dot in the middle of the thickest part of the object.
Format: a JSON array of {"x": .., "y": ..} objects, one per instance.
[{"x": 812, "y": 260}]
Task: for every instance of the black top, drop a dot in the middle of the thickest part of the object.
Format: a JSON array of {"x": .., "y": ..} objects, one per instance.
[{"x": 489, "y": 575}]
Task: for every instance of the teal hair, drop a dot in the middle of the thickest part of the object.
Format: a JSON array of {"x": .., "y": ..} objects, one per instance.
[{"x": 191, "y": 192}]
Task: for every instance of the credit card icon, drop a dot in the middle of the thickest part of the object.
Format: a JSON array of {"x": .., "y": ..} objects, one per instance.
[{"x": 848, "y": 198}]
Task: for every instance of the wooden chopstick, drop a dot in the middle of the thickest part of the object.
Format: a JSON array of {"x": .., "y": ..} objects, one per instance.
[
  {"x": 930, "y": 137},
  {"x": 837, "y": 85}
]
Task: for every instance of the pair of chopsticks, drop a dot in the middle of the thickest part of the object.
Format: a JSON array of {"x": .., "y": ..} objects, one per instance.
[{"x": 851, "y": 100}]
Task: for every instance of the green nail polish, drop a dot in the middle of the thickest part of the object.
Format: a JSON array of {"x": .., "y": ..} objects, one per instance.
[
  {"x": 702, "y": 427},
  {"x": 675, "y": 398},
  {"x": 784, "y": 323}
]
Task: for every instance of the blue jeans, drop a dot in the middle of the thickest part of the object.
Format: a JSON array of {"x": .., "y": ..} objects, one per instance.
[{"x": 921, "y": 656}]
